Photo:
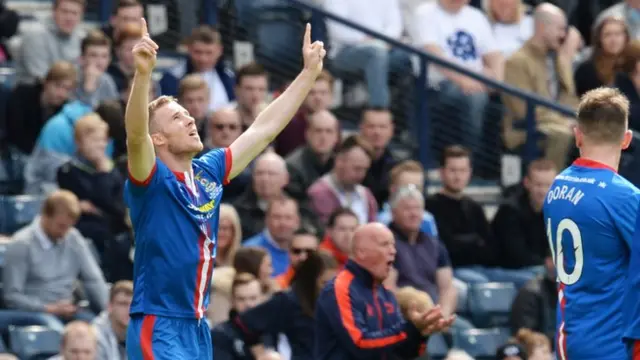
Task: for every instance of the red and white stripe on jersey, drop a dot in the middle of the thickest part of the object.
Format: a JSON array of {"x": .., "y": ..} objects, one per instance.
[
  {"x": 205, "y": 267},
  {"x": 562, "y": 335}
]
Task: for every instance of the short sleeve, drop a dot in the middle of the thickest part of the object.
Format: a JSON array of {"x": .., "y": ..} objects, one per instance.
[
  {"x": 217, "y": 163},
  {"x": 426, "y": 31},
  {"x": 443, "y": 256},
  {"x": 158, "y": 172}
]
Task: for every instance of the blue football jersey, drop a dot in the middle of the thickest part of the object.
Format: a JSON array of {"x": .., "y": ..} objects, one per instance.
[
  {"x": 590, "y": 215},
  {"x": 175, "y": 222}
]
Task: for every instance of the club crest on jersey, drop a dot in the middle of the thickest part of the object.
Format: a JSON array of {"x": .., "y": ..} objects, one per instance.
[{"x": 212, "y": 188}]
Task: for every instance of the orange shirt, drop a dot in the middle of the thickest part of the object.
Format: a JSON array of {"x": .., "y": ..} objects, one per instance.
[
  {"x": 328, "y": 245},
  {"x": 284, "y": 280}
]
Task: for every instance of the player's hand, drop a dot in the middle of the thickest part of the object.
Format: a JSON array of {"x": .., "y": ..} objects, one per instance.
[
  {"x": 145, "y": 51},
  {"x": 313, "y": 54}
]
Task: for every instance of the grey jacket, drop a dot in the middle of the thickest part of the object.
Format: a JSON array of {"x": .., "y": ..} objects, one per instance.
[
  {"x": 108, "y": 345},
  {"x": 42, "y": 47},
  {"x": 38, "y": 272}
]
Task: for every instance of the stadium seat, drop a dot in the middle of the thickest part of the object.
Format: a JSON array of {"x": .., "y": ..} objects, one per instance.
[
  {"x": 490, "y": 304},
  {"x": 437, "y": 347},
  {"x": 462, "y": 290},
  {"x": 34, "y": 342},
  {"x": 18, "y": 211},
  {"x": 481, "y": 344}
]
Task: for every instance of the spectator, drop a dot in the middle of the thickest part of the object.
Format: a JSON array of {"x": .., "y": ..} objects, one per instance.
[
  {"x": 609, "y": 40},
  {"x": 376, "y": 127},
  {"x": 94, "y": 83},
  {"x": 282, "y": 220},
  {"x": 346, "y": 325},
  {"x": 302, "y": 244},
  {"x": 537, "y": 345},
  {"x": 625, "y": 9},
  {"x": 422, "y": 261},
  {"x": 229, "y": 235},
  {"x": 458, "y": 32},
  {"x": 111, "y": 324},
  {"x": 318, "y": 100},
  {"x": 58, "y": 39},
  {"x": 355, "y": 52},
  {"x": 220, "y": 294},
  {"x": 122, "y": 67},
  {"x": 308, "y": 163},
  {"x": 269, "y": 178},
  {"x": 251, "y": 89},
  {"x": 125, "y": 13},
  {"x": 193, "y": 94},
  {"x": 291, "y": 313},
  {"x": 257, "y": 262},
  {"x": 10, "y": 20},
  {"x": 511, "y": 24},
  {"x": 510, "y": 351},
  {"x": 462, "y": 224},
  {"x": 342, "y": 186},
  {"x": 519, "y": 226},
  {"x": 30, "y": 105},
  {"x": 535, "y": 305},
  {"x": 340, "y": 228},
  {"x": 535, "y": 68},
  {"x": 408, "y": 172},
  {"x": 223, "y": 128},
  {"x": 112, "y": 112},
  {"x": 90, "y": 175},
  {"x": 204, "y": 48},
  {"x": 79, "y": 341},
  {"x": 44, "y": 261},
  {"x": 246, "y": 293},
  {"x": 628, "y": 81}
]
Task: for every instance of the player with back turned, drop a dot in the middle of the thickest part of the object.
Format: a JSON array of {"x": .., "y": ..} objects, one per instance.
[
  {"x": 590, "y": 215},
  {"x": 174, "y": 205}
]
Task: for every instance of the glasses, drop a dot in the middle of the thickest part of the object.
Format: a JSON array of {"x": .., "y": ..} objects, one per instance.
[
  {"x": 298, "y": 251},
  {"x": 232, "y": 127}
]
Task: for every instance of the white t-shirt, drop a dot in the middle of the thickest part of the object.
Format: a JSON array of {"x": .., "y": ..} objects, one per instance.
[
  {"x": 464, "y": 37},
  {"x": 218, "y": 97},
  {"x": 510, "y": 37}
]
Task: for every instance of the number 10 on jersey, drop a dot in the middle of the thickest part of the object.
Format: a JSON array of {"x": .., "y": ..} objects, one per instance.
[{"x": 569, "y": 229}]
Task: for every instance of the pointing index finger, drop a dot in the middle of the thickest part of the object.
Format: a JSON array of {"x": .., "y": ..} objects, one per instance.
[
  {"x": 307, "y": 36},
  {"x": 143, "y": 23}
]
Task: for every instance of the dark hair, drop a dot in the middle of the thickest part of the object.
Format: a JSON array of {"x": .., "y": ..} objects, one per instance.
[
  {"x": 605, "y": 65},
  {"x": 251, "y": 69},
  {"x": 95, "y": 37},
  {"x": 352, "y": 142},
  {"x": 339, "y": 212},
  {"x": 248, "y": 260},
  {"x": 304, "y": 282},
  {"x": 204, "y": 34},
  {"x": 453, "y": 152},
  {"x": 303, "y": 232},
  {"x": 603, "y": 115},
  {"x": 123, "y": 4}
]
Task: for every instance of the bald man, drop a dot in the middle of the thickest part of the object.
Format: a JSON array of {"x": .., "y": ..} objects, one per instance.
[
  {"x": 356, "y": 317},
  {"x": 529, "y": 69},
  {"x": 79, "y": 342}
]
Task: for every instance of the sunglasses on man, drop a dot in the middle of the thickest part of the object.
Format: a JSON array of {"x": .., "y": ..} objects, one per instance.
[{"x": 298, "y": 251}]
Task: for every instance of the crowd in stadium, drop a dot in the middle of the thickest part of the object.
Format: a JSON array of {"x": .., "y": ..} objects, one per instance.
[{"x": 298, "y": 204}]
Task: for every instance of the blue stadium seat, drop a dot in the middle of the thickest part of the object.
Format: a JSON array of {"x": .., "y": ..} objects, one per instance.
[
  {"x": 481, "y": 344},
  {"x": 462, "y": 290},
  {"x": 490, "y": 304},
  {"x": 34, "y": 342},
  {"x": 18, "y": 211},
  {"x": 437, "y": 347}
]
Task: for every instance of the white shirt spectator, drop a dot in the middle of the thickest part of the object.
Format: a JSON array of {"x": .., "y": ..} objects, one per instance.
[
  {"x": 464, "y": 37},
  {"x": 381, "y": 16},
  {"x": 509, "y": 38}
]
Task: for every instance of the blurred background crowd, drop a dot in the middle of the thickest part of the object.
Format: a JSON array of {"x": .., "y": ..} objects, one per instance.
[{"x": 446, "y": 120}]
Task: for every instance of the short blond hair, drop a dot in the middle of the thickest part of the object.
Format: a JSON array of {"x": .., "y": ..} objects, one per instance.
[
  {"x": 61, "y": 201},
  {"x": 191, "y": 82},
  {"x": 603, "y": 115},
  {"x": 81, "y": 328},
  {"x": 89, "y": 124},
  {"x": 157, "y": 104},
  {"x": 124, "y": 287},
  {"x": 407, "y": 166}
]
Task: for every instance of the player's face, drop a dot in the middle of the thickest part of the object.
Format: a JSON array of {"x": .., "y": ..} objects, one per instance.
[
  {"x": 67, "y": 15},
  {"x": 79, "y": 347},
  {"x": 320, "y": 96},
  {"x": 196, "y": 103},
  {"x": 119, "y": 309},
  {"x": 456, "y": 174},
  {"x": 176, "y": 130},
  {"x": 322, "y": 133},
  {"x": 377, "y": 128},
  {"x": 352, "y": 166},
  {"x": 301, "y": 246},
  {"x": 408, "y": 214},
  {"x": 342, "y": 232},
  {"x": 226, "y": 233},
  {"x": 247, "y": 296},
  {"x": 538, "y": 184}
]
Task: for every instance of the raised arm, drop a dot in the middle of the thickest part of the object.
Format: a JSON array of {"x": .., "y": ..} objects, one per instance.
[
  {"x": 140, "y": 153},
  {"x": 277, "y": 115}
]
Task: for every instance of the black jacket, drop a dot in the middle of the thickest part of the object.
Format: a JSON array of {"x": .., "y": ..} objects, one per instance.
[
  {"x": 304, "y": 168},
  {"x": 535, "y": 307},
  {"x": 228, "y": 343}
]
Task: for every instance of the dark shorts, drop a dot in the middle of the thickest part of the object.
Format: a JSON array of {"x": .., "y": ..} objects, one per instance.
[{"x": 151, "y": 337}]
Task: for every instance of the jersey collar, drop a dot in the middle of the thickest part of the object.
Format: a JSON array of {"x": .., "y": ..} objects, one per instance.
[{"x": 592, "y": 164}]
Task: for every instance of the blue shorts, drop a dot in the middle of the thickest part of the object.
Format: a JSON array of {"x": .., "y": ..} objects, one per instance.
[{"x": 151, "y": 337}]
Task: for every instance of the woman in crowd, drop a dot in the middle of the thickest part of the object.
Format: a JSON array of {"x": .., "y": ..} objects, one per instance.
[
  {"x": 511, "y": 24},
  {"x": 257, "y": 262},
  {"x": 291, "y": 312},
  {"x": 229, "y": 235},
  {"x": 628, "y": 81},
  {"x": 609, "y": 40}
]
